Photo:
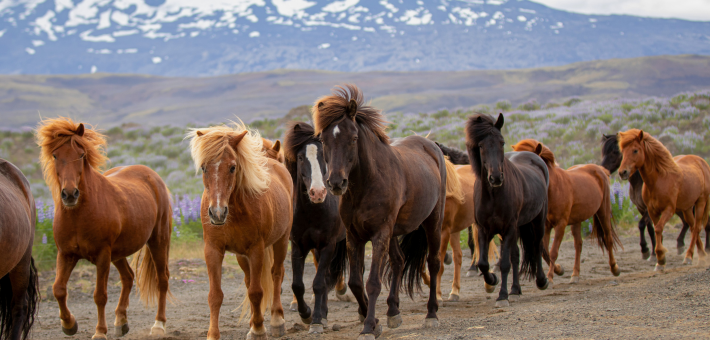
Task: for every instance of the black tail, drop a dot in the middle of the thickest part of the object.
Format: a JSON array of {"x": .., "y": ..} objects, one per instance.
[
  {"x": 471, "y": 245},
  {"x": 531, "y": 241},
  {"x": 6, "y": 320},
  {"x": 338, "y": 266},
  {"x": 415, "y": 249}
]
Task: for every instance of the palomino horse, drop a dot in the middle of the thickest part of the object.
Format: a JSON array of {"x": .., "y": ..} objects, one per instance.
[
  {"x": 611, "y": 160},
  {"x": 246, "y": 209},
  {"x": 387, "y": 191},
  {"x": 104, "y": 218},
  {"x": 575, "y": 195},
  {"x": 316, "y": 224},
  {"x": 510, "y": 197},
  {"x": 19, "y": 291},
  {"x": 670, "y": 184}
]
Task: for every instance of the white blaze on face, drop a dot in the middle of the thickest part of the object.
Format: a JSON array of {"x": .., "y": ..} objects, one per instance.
[
  {"x": 216, "y": 180},
  {"x": 336, "y": 131},
  {"x": 316, "y": 176}
]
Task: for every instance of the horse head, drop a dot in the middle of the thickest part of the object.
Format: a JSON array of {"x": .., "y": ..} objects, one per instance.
[{"x": 486, "y": 147}]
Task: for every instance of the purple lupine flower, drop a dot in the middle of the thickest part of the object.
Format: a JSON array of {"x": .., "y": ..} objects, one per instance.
[
  {"x": 44, "y": 238},
  {"x": 40, "y": 210},
  {"x": 177, "y": 232}
]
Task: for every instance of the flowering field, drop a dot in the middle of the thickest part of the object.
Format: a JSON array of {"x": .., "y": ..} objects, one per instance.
[{"x": 572, "y": 129}]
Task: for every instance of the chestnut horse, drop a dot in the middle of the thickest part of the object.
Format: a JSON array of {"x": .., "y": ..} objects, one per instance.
[
  {"x": 611, "y": 160},
  {"x": 273, "y": 149},
  {"x": 316, "y": 224},
  {"x": 19, "y": 291},
  {"x": 670, "y": 184},
  {"x": 575, "y": 195},
  {"x": 104, "y": 218},
  {"x": 510, "y": 197},
  {"x": 246, "y": 209},
  {"x": 387, "y": 191}
]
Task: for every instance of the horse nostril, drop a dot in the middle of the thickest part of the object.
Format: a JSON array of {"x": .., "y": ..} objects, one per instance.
[
  {"x": 312, "y": 192},
  {"x": 345, "y": 183},
  {"x": 64, "y": 194},
  {"x": 226, "y": 210},
  {"x": 76, "y": 193}
]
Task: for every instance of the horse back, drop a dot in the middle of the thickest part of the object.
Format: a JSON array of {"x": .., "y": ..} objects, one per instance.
[
  {"x": 695, "y": 181},
  {"x": 17, "y": 216},
  {"x": 531, "y": 176},
  {"x": 138, "y": 187}
]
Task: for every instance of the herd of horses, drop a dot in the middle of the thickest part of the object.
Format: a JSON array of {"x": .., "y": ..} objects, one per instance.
[{"x": 330, "y": 189}]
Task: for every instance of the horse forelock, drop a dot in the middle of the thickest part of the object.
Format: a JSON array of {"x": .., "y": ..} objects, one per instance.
[
  {"x": 253, "y": 176},
  {"x": 478, "y": 128},
  {"x": 333, "y": 108},
  {"x": 610, "y": 144},
  {"x": 658, "y": 158},
  {"x": 296, "y": 138},
  {"x": 52, "y": 133}
]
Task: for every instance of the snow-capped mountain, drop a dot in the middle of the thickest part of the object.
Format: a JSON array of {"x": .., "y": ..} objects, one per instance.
[{"x": 213, "y": 37}]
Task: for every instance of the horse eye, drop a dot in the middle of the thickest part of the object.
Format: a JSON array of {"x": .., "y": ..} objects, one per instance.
[
  {"x": 204, "y": 169},
  {"x": 55, "y": 156},
  {"x": 82, "y": 155},
  {"x": 636, "y": 151},
  {"x": 233, "y": 169}
]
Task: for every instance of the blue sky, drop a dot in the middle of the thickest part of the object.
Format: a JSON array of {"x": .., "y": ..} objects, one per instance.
[{"x": 698, "y": 10}]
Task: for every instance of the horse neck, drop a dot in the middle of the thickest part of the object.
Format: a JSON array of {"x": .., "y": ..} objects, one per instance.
[
  {"x": 648, "y": 176},
  {"x": 370, "y": 155}
]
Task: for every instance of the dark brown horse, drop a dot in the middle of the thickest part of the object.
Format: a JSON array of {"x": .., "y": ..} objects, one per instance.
[
  {"x": 316, "y": 224},
  {"x": 246, "y": 209},
  {"x": 104, "y": 218},
  {"x": 671, "y": 184},
  {"x": 510, "y": 196},
  {"x": 19, "y": 291},
  {"x": 611, "y": 160},
  {"x": 575, "y": 195},
  {"x": 387, "y": 191}
]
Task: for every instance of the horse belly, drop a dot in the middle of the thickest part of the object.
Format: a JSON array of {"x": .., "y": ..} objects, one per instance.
[
  {"x": 587, "y": 197},
  {"x": 15, "y": 232}
]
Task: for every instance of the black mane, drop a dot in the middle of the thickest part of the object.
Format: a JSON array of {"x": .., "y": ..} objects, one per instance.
[
  {"x": 456, "y": 156},
  {"x": 297, "y": 135},
  {"x": 610, "y": 148}
]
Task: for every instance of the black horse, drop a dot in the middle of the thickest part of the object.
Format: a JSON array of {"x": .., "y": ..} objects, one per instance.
[
  {"x": 316, "y": 223},
  {"x": 511, "y": 200},
  {"x": 611, "y": 160}
]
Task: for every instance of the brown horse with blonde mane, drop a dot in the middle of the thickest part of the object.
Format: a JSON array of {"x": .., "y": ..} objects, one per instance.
[
  {"x": 575, "y": 195},
  {"x": 247, "y": 210},
  {"x": 103, "y": 218},
  {"x": 387, "y": 191},
  {"x": 670, "y": 185}
]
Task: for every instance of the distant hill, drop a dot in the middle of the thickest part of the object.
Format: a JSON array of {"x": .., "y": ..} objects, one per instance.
[
  {"x": 112, "y": 99},
  {"x": 207, "y": 38}
]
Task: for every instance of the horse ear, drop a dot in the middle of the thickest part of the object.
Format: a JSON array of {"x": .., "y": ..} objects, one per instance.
[
  {"x": 352, "y": 109},
  {"x": 297, "y": 127},
  {"x": 605, "y": 137},
  {"x": 80, "y": 130},
  {"x": 538, "y": 149},
  {"x": 277, "y": 146},
  {"x": 640, "y": 136},
  {"x": 499, "y": 122},
  {"x": 199, "y": 133},
  {"x": 235, "y": 140}
]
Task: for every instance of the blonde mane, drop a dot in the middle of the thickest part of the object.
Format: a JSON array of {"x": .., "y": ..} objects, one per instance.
[
  {"x": 658, "y": 158},
  {"x": 453, "y": 184},
  {"x": 52, "y": 133},
  {"x": 253, "y": 176}
]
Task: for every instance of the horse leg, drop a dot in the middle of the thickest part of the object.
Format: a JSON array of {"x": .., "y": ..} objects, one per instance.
[
  {"x": 394, "y": 319},
  {"x": 680, "y": 242},
  {"x": 645, "y": 252},
  {"x": 689, "y": 216},
  {"x": 320, "y": 289},
  {"x": 578, "y": 243},
  {"x": 380, "y": 247},
  {"x": 658, "y": 226},
  {"x": 65, "y": 265},
  {"x": 489, "y": 279},
  {"x": 455, "y": 241},
  {"x": 213, "y": 259},
  {"x": 277, "y": 322},
  {"x": 23, "y": 279},
  {"x": 103, "y": 267},
  {"x": 515, "y": 290},
  {"x": 121, "y": 323},
  {"x": 356, "y": 258},
  {"x": 298, "y": 259},
  {"x": 255, "y": 292},
  {"x": 432, "y": 227},
  {"x": 159, "y": 248},
  {"x": 707, "y": 237},
  {"x": 505, "y": 265},
  {"x": 445, "y": 235},
  {"x": 555, "y": 250},
  {"x": 316, "y": 256},
  {"x": 652, "y": 235},
  {"x": 472, "y": 238}
]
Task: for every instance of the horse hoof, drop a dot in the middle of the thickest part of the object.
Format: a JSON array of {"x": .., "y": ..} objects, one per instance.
[
  {"x": 502, "y": 303},
  {"x": 447, "y": 259},
  {"x": 252, "y": 336},
  {"x": 342, "y": 292},
  {"x": 316, "y": 329},
  {"x": 366, "y": 337},
  {"x": 342, "y": 297},
  {"x": 431, "y": 323},
  {"x": 561, "y": 271},
  {"x": 308, "y": 320},
  {"x": 99, "y": 336},
  {"x": 646, "y": 254},
  {"x": 615, "y": 270},
  {"x": 513, "y": 297},
  {"x": 394, "y": 321},
  {"x": 71, "y": 330},
  {"x": 687, "y": 261},
  {"x": 489, "y": 288},
  {"x": 660, "y": 267},
  {"x": 361, "y": 317},
  {"x": 680, "y": 249},
  {"x": 471, "y": 273},
  {"x": 120, "y": 331},
  {"x": 454, "y": 297},
  {"x": 278, "y": 331},
  {"x": 543, "y": 287},
  {"x": 158, "y": 328},
  {"x": 372, "y": 336},
  {"x": 294, "y": 307}
]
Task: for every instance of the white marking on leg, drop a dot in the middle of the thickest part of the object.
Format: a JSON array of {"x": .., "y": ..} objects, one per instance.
[
  {"x": 316, "y": 175},
  {"x": 336, "y": 131},
  {"x": 159, "y": 326}
]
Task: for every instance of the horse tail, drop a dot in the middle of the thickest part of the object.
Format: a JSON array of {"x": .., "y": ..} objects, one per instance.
[
  {"x": 267, "y": 286},
  {"x": 471, "y": 242},
  {"x": 606, "y": 240},
  {"x": 453, "y": 184},
  {"x": 415, "y": 249},
  {"x": 147, "y": 277},
  {"x": 531, "y": 241},
  {"x": 33, "y": 298},
  {"x": 339, "y": 264}
]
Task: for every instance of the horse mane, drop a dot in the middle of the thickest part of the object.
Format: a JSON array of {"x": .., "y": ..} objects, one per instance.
[
  {"x": 477, "y": 131},
  {"x": 453, "y": 183},
  {"x": 610, "y": 143},
  {"x": 333, "y": 108},
  {"x": 658, "y": 158},
  {"x": 52, "y": 133},
  {"x": 296, "y": 138},
  {"x": 456, "y": 156},
  {"x": 253, "y": 176},
  {"x": 531, "y": 145}
]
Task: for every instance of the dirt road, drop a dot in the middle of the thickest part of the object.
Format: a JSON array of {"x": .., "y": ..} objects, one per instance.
[{"x": 639, "y": 304}]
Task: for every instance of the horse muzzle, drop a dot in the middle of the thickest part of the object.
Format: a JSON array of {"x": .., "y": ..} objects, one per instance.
[
  {"x": 218, "y": 216},
  {"x": 317, "y": 195},
  {"x": 625, "y": 174},
  {"x": 337, "y": 188},
  {"x": 495, "y": 181},
  {"x": 70, "y": 198}
]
